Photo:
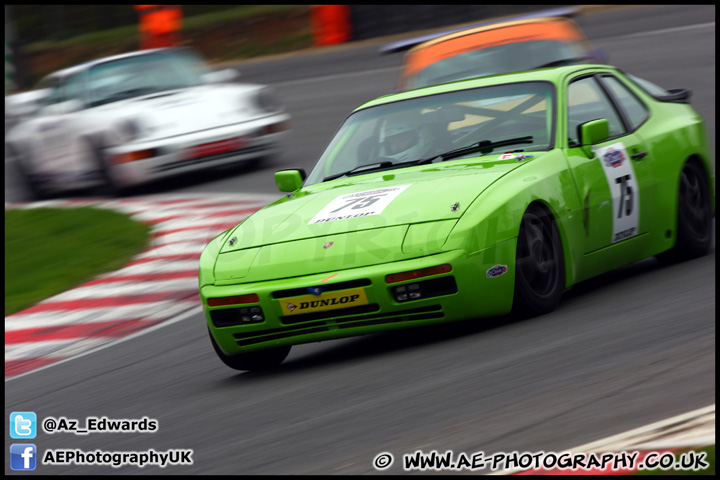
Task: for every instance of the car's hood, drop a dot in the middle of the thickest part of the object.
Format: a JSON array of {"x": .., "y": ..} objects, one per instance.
[
  {"x": 367, "y": 215},
  {"x": 175, "y": 112},
  {"x": 351, "y": 204}
]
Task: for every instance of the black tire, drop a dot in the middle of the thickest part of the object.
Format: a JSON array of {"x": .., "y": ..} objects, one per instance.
[
  {"x": 694, "y": 216},
  {"x": 540, "y": 266},
  {"x": 108, "y": 186},
  {"x": 253, "y": 361},
  {"x": 18, "y": 158}
]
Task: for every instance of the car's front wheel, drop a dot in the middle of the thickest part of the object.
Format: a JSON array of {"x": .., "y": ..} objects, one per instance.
[
  {"x": 253, "y": 361},
  {"x": 694, "y": 216},
  {"x": 540, "y": 267},
  {"x": 18, "y": 158},
  {"x": 108, "y": 186}
]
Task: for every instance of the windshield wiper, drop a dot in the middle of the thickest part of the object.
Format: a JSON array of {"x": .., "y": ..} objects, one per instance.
[
  {"x": 361, "y": 169},
  {"x": 484, "y": 147},
  {"x": 371, "y": 167}
]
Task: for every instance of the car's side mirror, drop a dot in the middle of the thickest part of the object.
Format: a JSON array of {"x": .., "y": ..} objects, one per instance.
[
  {"x": 227, "y": 75},
  {"x": 289, "y": 180},
  {"x": 592, "y": 132},
  {"x": 68, "y": 106}
]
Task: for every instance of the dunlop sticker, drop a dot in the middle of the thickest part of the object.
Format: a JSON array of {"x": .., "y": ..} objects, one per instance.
[
  {"x": 359, "y": 204},
  {"x": 323, "y": 302}
]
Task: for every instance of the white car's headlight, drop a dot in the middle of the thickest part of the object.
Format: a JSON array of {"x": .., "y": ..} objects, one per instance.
[{"x": 267, "y": 100}]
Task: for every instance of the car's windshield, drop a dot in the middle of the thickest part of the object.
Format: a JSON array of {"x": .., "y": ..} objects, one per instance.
[
  {"x": 399, "y": 133},
  {"x": 511, "y": 57},
  {"x": 139, "y": 75}
]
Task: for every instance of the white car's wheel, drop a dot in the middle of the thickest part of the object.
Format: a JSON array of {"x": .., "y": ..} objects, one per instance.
[
  {"x": 108, "y": 185},
  {"x": 20, "y": 160}
]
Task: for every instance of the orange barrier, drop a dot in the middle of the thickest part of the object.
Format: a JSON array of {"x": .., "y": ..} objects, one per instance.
[
  {"x": 330, "y": 24},
  {"x": 159, "y": 25}
]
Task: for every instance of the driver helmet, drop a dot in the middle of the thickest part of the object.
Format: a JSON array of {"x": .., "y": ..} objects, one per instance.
[{"x": 400, "y": 141}]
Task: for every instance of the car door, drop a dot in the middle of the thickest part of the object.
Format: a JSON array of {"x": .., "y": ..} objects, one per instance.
[
  {"x": 57, "y": 128},
  {"x": 616, "y": 183}
]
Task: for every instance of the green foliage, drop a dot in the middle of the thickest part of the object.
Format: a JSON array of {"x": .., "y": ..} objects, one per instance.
[{"x": 48, "y": 251}]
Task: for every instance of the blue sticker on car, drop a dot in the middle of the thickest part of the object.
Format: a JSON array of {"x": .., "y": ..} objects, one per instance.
[{"x": 496, "y": 271}]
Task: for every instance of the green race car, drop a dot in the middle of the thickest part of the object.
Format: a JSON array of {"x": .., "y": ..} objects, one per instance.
[{"x": 464, "y": 200}]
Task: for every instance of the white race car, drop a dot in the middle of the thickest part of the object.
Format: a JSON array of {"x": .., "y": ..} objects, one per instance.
[{"x": 128, "y": 119}]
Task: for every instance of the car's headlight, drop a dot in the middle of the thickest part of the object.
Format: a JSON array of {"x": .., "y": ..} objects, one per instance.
[{"x": 267, "y": 100}]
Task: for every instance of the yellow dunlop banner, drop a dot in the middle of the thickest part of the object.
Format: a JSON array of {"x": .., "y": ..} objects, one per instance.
[{"x": 323, "y": 302}]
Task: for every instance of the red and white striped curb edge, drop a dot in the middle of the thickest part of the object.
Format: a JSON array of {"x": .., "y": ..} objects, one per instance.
[
  {"x": 158, "y": 284},
  {"x": 695, "y": 429}
]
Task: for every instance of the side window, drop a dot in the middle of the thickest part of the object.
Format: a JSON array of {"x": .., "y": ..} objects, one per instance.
[
  {"x": 649, "y": 87},
  {"x": 56, "y": 95},
  {"x": 74, "y": 88},
  {"x": 587, "y": 101},
  {"x": 633, "y": 108},
  {"x": 63, "y": 89}
]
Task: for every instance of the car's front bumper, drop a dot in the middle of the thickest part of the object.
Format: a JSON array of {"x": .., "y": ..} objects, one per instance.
[
  {"x": 465, "y": 292},
  {"x": 143, "y": 161}
]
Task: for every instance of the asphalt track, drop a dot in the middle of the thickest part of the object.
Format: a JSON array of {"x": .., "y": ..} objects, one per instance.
[{"x": 629, "y": 348}]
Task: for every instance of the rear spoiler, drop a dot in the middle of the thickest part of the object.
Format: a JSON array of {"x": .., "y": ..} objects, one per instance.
[
  {"x": 677, "y": 95},
  {"x": 408, "y": 43}
]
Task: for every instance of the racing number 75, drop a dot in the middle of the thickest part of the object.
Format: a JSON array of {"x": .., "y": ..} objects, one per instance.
[
  {"x": 361, "y": 202},
  {"x": 626, "y": 195}
]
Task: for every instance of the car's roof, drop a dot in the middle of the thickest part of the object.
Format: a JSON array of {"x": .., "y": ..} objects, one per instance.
[
  {"x": 91, "y": 63},
  {"x": 549, "y": 74}
]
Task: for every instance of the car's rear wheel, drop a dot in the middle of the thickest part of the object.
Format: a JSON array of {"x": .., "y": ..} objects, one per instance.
[
  {"x": 694, "y": 216},
  {"x": 540, "y": 267},
  {"x": 253, "y": 361}
]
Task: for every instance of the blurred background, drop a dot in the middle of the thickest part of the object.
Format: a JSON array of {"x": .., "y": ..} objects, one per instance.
[
  {"x": 43, "y": 38},
  {"x": 323, "y": 61}
]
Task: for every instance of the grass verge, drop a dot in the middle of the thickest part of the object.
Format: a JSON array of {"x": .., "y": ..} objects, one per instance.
[{"x": 49, "y": 251}]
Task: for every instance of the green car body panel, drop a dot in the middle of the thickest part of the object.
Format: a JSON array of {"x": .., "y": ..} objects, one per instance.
[{"x": 464, "y": 212}]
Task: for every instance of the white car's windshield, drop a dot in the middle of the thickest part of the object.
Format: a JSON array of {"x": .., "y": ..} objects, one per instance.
[
  {"x": 143, "y": 74},
  {"x": 517, "y": 116}
]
